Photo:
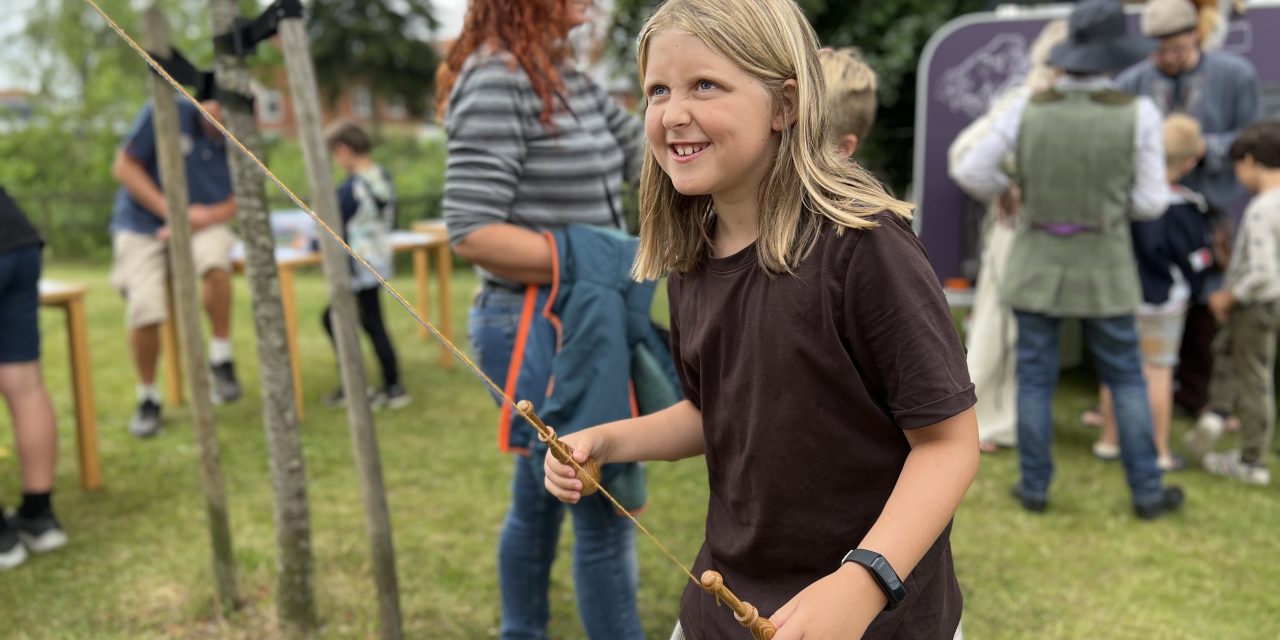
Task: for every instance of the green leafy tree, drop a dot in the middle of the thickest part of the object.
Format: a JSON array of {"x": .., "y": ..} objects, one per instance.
[
  {"x": 87, "y": 85},
  {"x": 891, "y": 35},
  {"x": 383, "y": 43}
]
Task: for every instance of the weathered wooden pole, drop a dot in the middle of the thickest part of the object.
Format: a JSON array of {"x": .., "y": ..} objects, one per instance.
[
  {"x": 295, "y": 597},
  {"x": 337, "y": 269},
  {"x": 173, "y": 176}
]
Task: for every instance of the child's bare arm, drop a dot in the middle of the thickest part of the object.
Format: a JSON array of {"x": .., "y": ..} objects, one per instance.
[
  {"x": 671, "y": 434},
  {"x": 942, "y": 463}
]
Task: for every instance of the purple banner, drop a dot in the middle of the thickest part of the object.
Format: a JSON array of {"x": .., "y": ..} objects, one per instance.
[{"x": 975, "y": 58}]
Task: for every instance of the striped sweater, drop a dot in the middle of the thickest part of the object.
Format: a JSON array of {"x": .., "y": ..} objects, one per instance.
[{"x": 504, "y": 165}]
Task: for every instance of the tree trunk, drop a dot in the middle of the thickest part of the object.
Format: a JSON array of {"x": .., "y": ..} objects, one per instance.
[
  {"x": 364, "y": 439},
  {"x": 295, "y": 599},
  {"x": 187, "y": 307}
]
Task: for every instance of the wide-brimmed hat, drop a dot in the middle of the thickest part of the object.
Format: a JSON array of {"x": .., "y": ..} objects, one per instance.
[{"x": 1098, "y": 40}]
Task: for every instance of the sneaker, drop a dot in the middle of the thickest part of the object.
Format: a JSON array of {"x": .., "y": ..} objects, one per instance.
[
  {"x": 392, "y": 397},
  {"x": 1229, "y": 464},
  {"x": 1106, "y": 451},
  {"x": 334, "y": 399},
  {"x": 12, "y": 553},
  {"x": 1171, "y": 500},
  {"x": 39, "y": 534},
  {"x": 146, "y": 419},
  {"x": 1201, "y": 438},
  {"x": 225, "y": 386},
  {"x": 1034, "y": 505}
]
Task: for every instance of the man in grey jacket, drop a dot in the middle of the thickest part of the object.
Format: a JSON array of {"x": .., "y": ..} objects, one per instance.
[{"x": 1220, "y": 90}]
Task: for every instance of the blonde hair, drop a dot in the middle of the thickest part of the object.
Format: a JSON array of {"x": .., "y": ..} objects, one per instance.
[
  {"x": 1183, "y": 141},
  {"x": 807, "y": 180},
  {"x": 851, "y": 92},
  {"x": 1041, "y": 75}
]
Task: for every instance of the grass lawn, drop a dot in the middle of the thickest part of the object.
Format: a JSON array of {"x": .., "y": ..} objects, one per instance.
[{"x": 138, "y": 562}]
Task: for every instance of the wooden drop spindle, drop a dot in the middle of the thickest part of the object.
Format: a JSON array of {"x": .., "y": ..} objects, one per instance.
[
  {"x": 590, "y": 474},
  {"x": 746, "y": 614}
]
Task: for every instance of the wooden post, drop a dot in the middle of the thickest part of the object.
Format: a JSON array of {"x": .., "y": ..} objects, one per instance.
[
  {"x": 337, "y": 269},
  {"x": 187, "y": 307},
  {"x": 295, "y": 598}
]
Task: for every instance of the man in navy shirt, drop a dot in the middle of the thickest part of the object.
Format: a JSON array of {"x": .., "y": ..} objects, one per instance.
[{"x": 140, "y": 236}]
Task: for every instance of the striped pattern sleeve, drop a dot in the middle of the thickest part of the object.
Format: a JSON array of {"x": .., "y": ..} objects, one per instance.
[
  {"x": 486, "y": 149},
  {"x": 627, "y": 129}
]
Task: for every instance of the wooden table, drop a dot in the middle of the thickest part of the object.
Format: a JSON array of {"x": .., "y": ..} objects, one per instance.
[
  {"x": 438, "y": 242},
  {"x": 426, "y": 237},
  {"x": 70, "y": 297}
]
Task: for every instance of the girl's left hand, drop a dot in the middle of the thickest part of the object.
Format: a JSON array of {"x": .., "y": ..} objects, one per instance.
[{"x": 838, "y": 607}]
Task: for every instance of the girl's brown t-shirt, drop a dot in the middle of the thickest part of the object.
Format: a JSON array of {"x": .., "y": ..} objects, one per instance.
[{"x": 806, "y": 383}]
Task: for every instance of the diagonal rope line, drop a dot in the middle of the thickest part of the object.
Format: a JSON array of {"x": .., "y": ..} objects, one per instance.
[{"x": 458, "y": 354}]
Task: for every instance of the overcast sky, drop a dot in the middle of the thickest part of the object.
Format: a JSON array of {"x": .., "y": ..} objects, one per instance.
[{"x": 13, "y": 19}]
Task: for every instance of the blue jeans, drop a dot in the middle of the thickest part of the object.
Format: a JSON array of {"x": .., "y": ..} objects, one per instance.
[
  {"x": 1113, "y": 342},
  {"x": 605, "y": 572}
]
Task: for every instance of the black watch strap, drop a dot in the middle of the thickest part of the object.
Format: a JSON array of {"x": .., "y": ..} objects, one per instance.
[{"x": 883, "y": 574}]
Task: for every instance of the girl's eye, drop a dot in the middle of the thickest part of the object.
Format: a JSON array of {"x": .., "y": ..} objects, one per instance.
[
  {"x": 706, "y": 85},
  {"x": 658, "y": 91}
]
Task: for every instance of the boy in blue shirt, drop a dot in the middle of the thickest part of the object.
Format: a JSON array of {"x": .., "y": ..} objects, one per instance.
[
  {"x": 367, "y": 202},
  {"x": 139, "y": 243}
]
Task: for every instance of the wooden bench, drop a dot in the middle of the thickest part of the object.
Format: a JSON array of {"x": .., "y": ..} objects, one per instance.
[{"x": 70, "y": 297}]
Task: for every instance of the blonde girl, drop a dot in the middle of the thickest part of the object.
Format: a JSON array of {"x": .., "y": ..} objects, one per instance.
[{"x": 824, "y": 381}]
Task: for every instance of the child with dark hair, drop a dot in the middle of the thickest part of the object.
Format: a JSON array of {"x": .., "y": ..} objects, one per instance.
[
  {"x": 367, "y": 201},
  {"x": 1248, "y": 306}
]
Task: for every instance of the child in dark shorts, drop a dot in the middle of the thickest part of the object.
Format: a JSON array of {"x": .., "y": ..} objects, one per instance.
[{"x": 32, "y": 527}]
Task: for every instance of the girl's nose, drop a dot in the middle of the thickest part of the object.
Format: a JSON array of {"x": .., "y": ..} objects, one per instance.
[{"x": 675, "y": 115}]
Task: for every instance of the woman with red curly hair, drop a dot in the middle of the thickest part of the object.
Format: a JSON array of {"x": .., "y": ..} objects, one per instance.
[{"x": 534, "y": 145}]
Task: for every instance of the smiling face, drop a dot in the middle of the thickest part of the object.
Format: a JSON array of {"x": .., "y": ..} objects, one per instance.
[{"x": 711, "y": 126}]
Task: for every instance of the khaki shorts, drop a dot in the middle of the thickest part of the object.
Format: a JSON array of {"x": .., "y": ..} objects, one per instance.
[
  {"x": 140, "y": 268},
  {"x": 1160, "y": 337}
]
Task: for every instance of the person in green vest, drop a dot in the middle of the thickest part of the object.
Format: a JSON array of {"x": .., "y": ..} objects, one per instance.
[{"x": 1088, "y": 160}]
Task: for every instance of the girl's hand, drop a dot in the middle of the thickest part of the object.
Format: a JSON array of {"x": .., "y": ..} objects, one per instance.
[
  {"x": 562, "y": 479},
  {"x": 837, "y": 607}
]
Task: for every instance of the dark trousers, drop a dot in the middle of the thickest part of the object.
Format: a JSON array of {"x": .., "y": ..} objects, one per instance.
[
  {"x": 1195, "y": 360},
  {"x": 369, "y": 305}
]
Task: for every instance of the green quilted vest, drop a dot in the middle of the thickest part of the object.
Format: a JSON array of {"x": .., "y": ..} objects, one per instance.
[{"x": 1071, "y": 254}]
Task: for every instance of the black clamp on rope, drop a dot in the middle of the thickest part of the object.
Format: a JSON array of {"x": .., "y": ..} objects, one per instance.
[
  {"x": 202, "y": 84},
  {"x": 185, "y": 73},
  {"x": 244, "y": 37}
]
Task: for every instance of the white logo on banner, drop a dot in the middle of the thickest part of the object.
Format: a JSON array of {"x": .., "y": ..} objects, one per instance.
[{"x": 970, "y": 86}]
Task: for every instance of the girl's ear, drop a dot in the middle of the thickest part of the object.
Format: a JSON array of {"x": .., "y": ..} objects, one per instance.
[{"x": 790, "y": 106}]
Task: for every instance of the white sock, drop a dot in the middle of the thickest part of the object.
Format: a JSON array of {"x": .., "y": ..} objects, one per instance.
[
  {"x": 148, "y": 392},
  {"x": 219, "y": 351}
]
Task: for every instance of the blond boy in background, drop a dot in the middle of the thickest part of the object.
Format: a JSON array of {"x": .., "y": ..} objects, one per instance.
[{"x": 850, "y": 97}]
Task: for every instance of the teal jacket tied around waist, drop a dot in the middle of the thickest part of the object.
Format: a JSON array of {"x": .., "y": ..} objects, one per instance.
[{"x": 587, "y": 352}]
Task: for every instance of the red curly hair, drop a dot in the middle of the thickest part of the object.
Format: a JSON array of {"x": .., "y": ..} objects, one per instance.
[{"x": 529, "y": 29}]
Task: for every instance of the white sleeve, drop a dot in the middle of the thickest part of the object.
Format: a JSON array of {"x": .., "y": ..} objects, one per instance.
[{"x": 1150, "y": 192}]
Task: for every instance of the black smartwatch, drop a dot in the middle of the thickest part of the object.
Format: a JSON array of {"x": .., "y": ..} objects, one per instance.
[{"x": 884, "y": 575}]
